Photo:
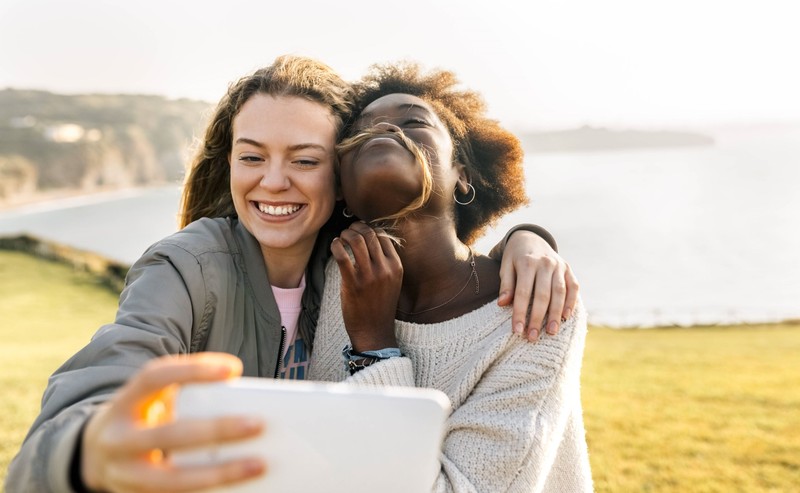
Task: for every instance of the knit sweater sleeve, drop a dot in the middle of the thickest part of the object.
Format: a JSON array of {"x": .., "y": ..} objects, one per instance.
[{"x": 516, "y": 423}]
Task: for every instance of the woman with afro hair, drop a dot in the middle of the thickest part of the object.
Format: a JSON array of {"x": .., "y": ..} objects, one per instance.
[{"x": 413, "y": 305}]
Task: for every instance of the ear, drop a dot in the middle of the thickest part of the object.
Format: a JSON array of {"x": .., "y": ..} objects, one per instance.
[{"x": 463, "y": 177}]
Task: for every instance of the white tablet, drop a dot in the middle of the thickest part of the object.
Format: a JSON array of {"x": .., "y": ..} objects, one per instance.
[{"x": 326, "y": 437}]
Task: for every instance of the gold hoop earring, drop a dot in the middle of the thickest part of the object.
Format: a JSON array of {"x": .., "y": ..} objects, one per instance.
[{"x": 471, "y": 197}]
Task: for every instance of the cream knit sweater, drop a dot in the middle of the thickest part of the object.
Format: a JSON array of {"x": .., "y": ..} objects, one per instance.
[{"x": 517, "y": 423}]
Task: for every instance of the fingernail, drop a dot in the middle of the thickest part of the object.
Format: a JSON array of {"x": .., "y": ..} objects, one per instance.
[
  {"x": 518, "y": 328},
  {"x": 534, "y": 335},
  {"x": 552, "y": 327},
  {"x": 252, "y": 467},
  {"x": 223, "y": 371},
  {"x": 251, "y": 424},
  {"x": 567, "y": 314}
]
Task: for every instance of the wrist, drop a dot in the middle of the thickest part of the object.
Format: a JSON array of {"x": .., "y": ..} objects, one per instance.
[
  {"x": 372, "y": 343},
  {"x": 356, "y": 361},
  {"x": 535, "y": 229},
  {"x": 82, "y": 474}
]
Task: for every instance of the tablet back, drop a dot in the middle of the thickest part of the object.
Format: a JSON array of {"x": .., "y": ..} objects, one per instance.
[{"x": 326, "y": 437}]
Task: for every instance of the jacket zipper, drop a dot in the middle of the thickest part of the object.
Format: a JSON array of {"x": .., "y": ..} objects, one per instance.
[{"x": 280, "y": 352}]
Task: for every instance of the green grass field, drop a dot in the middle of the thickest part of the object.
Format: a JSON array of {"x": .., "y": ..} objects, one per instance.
[
  {"x": 666, "y": 410},
  {"x": 701, "y": 410}
]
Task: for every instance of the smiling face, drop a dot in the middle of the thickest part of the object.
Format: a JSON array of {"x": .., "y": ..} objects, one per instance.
[
  {"x": 282, "y": 171},
  {"x": 382, "y": 176}
]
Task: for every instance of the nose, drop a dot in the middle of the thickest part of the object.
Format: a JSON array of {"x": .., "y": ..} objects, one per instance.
[
  {"x": 275, "y": 178},
  {"x": 388, "y": 127}
]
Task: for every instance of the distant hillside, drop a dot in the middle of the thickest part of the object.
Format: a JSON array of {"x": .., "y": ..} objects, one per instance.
[
  {"x": 81, "y": 143},
  {"x": 85, "y": 142},
  {"x": 592, "y": 139}
]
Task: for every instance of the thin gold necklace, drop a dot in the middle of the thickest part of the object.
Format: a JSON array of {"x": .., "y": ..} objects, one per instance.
[{"x": 472, "y": 273}]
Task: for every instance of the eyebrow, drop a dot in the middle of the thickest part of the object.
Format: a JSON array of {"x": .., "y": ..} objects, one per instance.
[
  {"x": 411, "y": 106},
  {"x": 404, "y": 106},
  {"x": 295, "y": 147}
]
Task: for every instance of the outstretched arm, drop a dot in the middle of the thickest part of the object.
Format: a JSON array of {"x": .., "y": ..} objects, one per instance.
[{"x": 159, "y": 308}]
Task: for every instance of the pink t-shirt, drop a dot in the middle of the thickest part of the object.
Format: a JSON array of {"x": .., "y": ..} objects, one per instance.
[{"x": 295, "y": 356}]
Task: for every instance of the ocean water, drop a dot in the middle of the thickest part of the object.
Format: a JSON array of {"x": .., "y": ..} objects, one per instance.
[
  {"x": 658, "y": 236},
  {"x": 119, "y": 225},
  {"x": 678, "y": 236}
]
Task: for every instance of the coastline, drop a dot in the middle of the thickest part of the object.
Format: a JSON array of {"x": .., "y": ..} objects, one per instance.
[
  {"x": 59, "y": 198},
  {"x": 23, "y": 200}
]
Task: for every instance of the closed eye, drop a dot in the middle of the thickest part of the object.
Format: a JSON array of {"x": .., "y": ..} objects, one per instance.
[{"x": 415, "y": 122}]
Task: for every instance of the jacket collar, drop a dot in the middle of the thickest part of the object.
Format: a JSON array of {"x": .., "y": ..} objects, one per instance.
[{"x": 255, "y": 270}]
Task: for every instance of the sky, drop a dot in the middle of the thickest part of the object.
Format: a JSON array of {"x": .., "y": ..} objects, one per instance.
[{"x": 540, "y": 64}]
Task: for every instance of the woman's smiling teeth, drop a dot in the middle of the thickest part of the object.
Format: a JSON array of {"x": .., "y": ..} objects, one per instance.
[{"x": 278, "y": 210}]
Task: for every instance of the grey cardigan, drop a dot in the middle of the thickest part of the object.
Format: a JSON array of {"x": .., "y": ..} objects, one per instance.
[{"x": 204, "y": 288}]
